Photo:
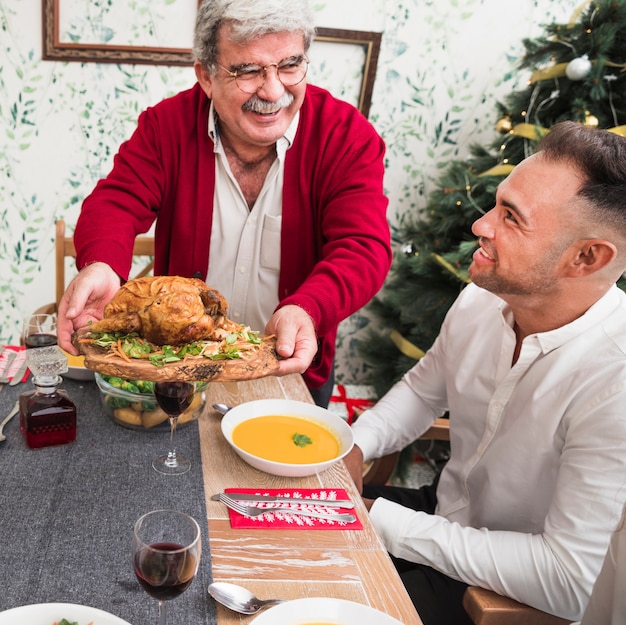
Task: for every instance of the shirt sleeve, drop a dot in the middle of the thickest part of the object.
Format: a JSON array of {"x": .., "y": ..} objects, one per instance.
[
  {"x": 553, "y": 570},
  {"x": 389, "y": 427}
]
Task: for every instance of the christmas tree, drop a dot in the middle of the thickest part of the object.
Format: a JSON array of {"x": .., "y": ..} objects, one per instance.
[{"x": 577, "y": 72}]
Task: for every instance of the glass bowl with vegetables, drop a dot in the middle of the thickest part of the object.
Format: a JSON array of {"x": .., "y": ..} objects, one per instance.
[{"x": 132, "y": 404}]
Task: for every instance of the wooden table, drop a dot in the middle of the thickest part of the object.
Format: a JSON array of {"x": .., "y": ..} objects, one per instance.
[{"x": 290, "y": 564}]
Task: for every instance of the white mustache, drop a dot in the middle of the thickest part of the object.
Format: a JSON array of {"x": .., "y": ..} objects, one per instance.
[{"x": 258, "y": 105}]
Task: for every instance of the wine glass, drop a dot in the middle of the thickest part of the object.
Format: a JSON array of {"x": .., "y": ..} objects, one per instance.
[
  {"x": 166, "y": 554},
  {"x": 40, "y": 330},
  {"x": 174, "y": 398}
]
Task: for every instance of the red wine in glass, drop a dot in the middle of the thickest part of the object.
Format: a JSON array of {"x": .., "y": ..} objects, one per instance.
[
  {"x": 166, "y": 551},
  {"x": 173, "y": 398},
  {"x": 40, "y": 340},
  {"x": 40, "y": 330},
  {"x": 164, "y": 570}
]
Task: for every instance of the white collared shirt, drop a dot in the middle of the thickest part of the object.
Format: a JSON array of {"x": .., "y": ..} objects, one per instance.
[
  {"x": 244, "y": 259},
  {"x": 537, "y": 476}
]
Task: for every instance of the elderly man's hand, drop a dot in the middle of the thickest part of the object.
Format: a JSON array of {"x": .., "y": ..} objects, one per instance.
[
  {"x": 296, "y": 340},
  {"x": 84, "y": 301}
]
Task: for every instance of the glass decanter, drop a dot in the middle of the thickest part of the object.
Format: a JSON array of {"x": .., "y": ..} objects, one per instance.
[{"x": 47, "y": 414}]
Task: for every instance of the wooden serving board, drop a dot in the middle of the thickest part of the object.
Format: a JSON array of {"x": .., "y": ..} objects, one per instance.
[{"x": 254, "y": 364}]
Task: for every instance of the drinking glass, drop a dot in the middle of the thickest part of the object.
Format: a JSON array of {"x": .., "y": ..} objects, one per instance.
[
  {"x": 40, "y": 330},
  {"x": 166, "y": 552},
  {"x": 174, "y": 398}
]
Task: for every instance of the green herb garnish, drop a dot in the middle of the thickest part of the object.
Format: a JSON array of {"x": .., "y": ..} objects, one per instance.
[
  {"x": 134, "y": 346},
  {"x": 301, "y": 440},
  {"x": 232, "y": 353}
]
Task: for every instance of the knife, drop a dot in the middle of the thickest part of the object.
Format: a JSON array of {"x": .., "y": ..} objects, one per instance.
[
  {"x": 329, "y": 503},
  {"x": 7, "y": 365},
  {"x": 19, "y": 374}
]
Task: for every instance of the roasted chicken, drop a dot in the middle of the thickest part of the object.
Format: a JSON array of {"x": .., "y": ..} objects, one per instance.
[{"x": 166, "y": 310}]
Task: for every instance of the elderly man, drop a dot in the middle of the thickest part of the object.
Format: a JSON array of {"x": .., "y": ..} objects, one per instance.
[
  {"x": 530, "y": 364},
  {"x": 268, "y": 188}
]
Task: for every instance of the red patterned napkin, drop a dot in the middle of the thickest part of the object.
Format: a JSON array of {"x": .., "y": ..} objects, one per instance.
[
  {"x": 278, "y": 521},
  {"x": 17, "y": 362}
]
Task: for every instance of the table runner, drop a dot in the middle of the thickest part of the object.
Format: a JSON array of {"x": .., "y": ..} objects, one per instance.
[{"x": 67, "y": 513}]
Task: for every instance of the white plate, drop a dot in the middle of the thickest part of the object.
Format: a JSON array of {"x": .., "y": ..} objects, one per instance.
[
  {"x": 79, "y": 373},
  {"x": 49, "y": 613},
  {"x": 76, "y": 369},
  {"x": 323, "y": 610}
]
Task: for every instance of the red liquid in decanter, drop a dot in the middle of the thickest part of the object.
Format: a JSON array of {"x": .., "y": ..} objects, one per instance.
[
  {"x": 47, "y": 419},
  {"x": 47, "y": 414}
]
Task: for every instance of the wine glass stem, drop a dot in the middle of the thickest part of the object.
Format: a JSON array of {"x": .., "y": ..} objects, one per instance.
[
  {"x": 171, "y": 454},
  {"x": 162, "y": 613}
]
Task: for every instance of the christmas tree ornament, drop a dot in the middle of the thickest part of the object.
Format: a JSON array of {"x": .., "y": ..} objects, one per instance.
[
  {"x": 591, "y": 120},
  {"x": 408, "y": 249},
  {"x": 579, "y": 68},
  {"x": 504, "y": 125}
]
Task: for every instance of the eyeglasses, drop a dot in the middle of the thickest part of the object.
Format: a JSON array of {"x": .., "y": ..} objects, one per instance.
[{"x": 250, "y": 78}]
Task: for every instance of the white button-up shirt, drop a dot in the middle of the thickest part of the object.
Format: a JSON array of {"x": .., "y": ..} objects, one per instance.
[
  {"x": 536, "y": 481},
  {"x": 244, "y": 258}
]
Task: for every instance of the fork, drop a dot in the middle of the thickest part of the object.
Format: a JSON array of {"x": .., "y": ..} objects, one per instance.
[
  {"x": 6, "y": 419},
  {"x": 253, "y": 511}
]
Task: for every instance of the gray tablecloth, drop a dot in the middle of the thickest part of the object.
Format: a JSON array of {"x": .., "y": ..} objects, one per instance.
[{"x": 67, "y": 513}]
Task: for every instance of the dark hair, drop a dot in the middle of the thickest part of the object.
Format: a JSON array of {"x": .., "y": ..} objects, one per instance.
[{"x": 600, "y": 157}]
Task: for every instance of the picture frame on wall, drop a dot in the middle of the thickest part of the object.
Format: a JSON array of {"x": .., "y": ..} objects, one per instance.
[{"x": 342, "y": 61}]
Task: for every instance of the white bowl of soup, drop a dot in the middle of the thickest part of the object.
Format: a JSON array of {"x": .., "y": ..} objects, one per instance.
[{"x": 287, "y": 437}]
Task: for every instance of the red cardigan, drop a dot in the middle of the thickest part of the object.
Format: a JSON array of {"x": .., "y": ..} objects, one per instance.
[{"x": 335, "y": 248}]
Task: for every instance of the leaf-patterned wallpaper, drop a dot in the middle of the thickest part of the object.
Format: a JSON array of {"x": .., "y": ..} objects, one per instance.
[{"x": 442, "y": 66}]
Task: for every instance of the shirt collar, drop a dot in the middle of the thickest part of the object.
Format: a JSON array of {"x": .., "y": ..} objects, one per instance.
[
  {"x": 282, "y": 145},
  {"x": 555, "y": 338}
]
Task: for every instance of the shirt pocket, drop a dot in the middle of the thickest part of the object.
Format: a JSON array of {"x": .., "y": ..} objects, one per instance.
[{"x": 270, "y": 242}]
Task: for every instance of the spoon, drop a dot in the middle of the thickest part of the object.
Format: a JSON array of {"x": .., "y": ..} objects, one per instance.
[
  {"x": 223, "y": 408},
  {"x": 238, "y": 598}
]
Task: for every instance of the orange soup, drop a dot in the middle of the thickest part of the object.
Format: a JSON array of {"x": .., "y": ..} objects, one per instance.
[{"x": 287, "y": 439}]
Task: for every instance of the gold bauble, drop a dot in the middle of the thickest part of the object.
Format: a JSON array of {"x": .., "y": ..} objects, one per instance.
[
  {"x": 591, "y": 120},
  {"x": 504, "y": 125}
]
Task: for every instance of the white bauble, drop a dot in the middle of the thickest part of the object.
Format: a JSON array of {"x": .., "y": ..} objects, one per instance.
[{"x": 579, "y": 68}]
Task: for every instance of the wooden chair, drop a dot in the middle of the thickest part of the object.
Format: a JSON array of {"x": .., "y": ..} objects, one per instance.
[
  {"x": 64, "y": 248},
  {"x": 484, "y": 607}
]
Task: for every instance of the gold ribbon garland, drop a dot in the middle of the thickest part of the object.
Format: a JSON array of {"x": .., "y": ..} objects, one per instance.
[
  {"x": 558, "y": 71},
  {"x": 451, "y": 268},
  {"x": 498, "y": 170},
  {"x": 406, "y": 347},
  {"x": 618, "y": 130}
]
